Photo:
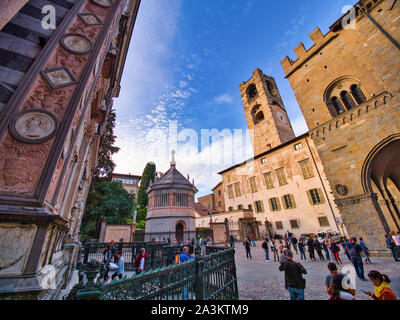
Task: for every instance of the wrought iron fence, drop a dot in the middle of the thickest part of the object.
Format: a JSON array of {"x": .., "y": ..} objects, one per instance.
[
  {"x": 160, "y": 254},
  {"x": 208, "y": 277}
]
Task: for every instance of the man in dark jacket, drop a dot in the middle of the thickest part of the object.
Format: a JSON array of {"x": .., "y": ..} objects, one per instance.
[
  {"x": 355, "y": 255},
  {"x": 294, "y": 277}
]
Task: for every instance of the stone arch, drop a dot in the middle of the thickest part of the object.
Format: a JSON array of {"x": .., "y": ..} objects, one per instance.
[
  {"x": 251, "y": 92},
  {"x": 380, "y": 175},
  {"x": 180, "y": 229},
  {"x": 344, "y": 94},
  {"x": 257, "y": 114}
]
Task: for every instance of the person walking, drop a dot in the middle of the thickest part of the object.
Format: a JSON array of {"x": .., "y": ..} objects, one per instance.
[
  {"x": 365, "y": 250},
  {"x": 280, "y": 246},
  {"x": 294, "y": 242},
  {"x": 266, "y": 249},
  {"x": 274, "y": 250},
  {"x": 253, "y": 241},
  {"x": 355, "y": 255},
  {"x": 302, "y": 250},
  {"x": 396, "y": 239},
  {"x": 310, "y": 245},
  {"x": 318, "y": 248},
  {"x": 121, "y": 266},
  {"x": 391, "y": 245},
  {"x": 344, "y": 243},
  {"x": 247, "y": 247},
  {"x": 107, "y": 256},
  {"x": 335, "y": 252},
  {"x": 294, "y": 280},
  {"x": 334, "y": 285},
  {"x": 140, "y": 261},
  {"x": 232, "y": 241},
  {"x": 382, "y": 290},
  {"x": 326, "y": 245}
]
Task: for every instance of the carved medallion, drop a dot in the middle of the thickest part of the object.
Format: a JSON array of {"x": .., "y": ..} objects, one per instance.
[
  {"x": 76, "y": 43},
  {"x": 342, "y": 190},
  {"x": 90, "y": 19},
  {"x": 103, "y": 3},
  {"x": 59, "y": 77},
  {"x": 34, "y": 126}
]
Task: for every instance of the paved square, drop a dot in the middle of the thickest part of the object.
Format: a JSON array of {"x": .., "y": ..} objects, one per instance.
[{"x": 259, "y": 280}]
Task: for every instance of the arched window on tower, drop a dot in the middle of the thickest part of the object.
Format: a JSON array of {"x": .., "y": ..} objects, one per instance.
[
  {"x": 270, "y": 87},
  {"x": 337, "y": 104},
  {"x": 344, "y": 94},
  {"x": 347, "y": 100},
  {"x": 252, "y": 92},
  {"x": 257, "y": 114},
  {"x": 357, "y": 93},
  {"x": 259, "y": 117}
]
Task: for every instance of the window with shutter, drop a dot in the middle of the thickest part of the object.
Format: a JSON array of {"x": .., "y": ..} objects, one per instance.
[
  {"x": 259, "y": 206},
  {"x": 274, "y": 204},
  {"x": 238, "y": 189},
  {"x": 230, "y": 192},
  {"x": 280, "y": 173},
  {"x": 253, "y": 185},
  {"x": 306, "y": 169},
  {"x": 287, "y": 201},
  {"x": 268, "y": 180},
  {"x": 315, "y": 196}
]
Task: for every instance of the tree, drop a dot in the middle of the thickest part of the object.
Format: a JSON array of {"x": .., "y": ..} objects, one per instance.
[
  {"x": 110, "y": 201},
  {"x": 105, "y": 165},
  {"x": 148, "y": 176},
  {"x": 91, "y": 223}
]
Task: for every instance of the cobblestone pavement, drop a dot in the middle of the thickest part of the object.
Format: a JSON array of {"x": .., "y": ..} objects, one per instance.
[{"x": 259, "y": 280}]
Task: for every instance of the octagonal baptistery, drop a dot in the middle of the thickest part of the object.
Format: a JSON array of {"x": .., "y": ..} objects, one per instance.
[{"x": 171, "y": 213}]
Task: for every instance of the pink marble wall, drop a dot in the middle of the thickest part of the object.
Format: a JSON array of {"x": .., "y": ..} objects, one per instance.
[{"x": 9, "y": 8}]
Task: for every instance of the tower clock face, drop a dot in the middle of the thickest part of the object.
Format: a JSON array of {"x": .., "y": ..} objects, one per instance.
[{"x": 281, "y": 117}]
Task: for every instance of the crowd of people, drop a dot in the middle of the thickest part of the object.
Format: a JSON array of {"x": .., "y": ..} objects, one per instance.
[
  {"x": 337, "y": 284},
  {"x": 114, "y": 260}
]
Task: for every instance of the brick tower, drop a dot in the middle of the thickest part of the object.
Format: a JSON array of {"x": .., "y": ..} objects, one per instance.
[{"x": 265, "y": 112}]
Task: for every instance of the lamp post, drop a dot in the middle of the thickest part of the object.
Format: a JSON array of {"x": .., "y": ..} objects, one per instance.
[{"x": 211, "y": 225}]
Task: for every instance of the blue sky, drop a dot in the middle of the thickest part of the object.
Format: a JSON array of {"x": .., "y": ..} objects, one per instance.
[{"x": 185, "y": 63}]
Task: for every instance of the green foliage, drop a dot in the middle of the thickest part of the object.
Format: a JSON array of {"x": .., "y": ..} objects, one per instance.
[
  {"x": 148, "y": 176},
  {"x": 110, "y": 201},
  {"x": 141, "y": 214},
  {"x": 140, "y": 225},
  {"x": 105, "y": 165},
  {"x": 92, "y": 217}
]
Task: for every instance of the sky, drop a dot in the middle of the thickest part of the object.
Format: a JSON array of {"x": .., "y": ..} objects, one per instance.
[{"x": 181, "y": 79}]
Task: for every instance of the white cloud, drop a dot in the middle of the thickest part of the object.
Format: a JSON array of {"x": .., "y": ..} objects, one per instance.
[{"x": 224, "y": 98}]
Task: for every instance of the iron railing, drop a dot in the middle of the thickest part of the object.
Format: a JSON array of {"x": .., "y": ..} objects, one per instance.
[
  {"x": 208, "y": 277},
  {"x": 160, "y": 254}
]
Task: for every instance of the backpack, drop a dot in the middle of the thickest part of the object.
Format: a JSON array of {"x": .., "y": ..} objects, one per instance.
[{"x": 264, "y": 245}]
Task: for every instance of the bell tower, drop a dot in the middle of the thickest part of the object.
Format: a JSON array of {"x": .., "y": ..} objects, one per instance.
[{"x": 265, "y": 112}]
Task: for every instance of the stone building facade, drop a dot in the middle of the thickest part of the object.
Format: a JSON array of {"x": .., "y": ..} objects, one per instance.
[
  {"x": 129, "y": 182},
  {"x": 347, "y": 85},
  {"x": 56, "y": 90},
  {"x": 171, "y": 212},
  {"x": 284, "y": 186},
  {"x": 215, "y": 200}
]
